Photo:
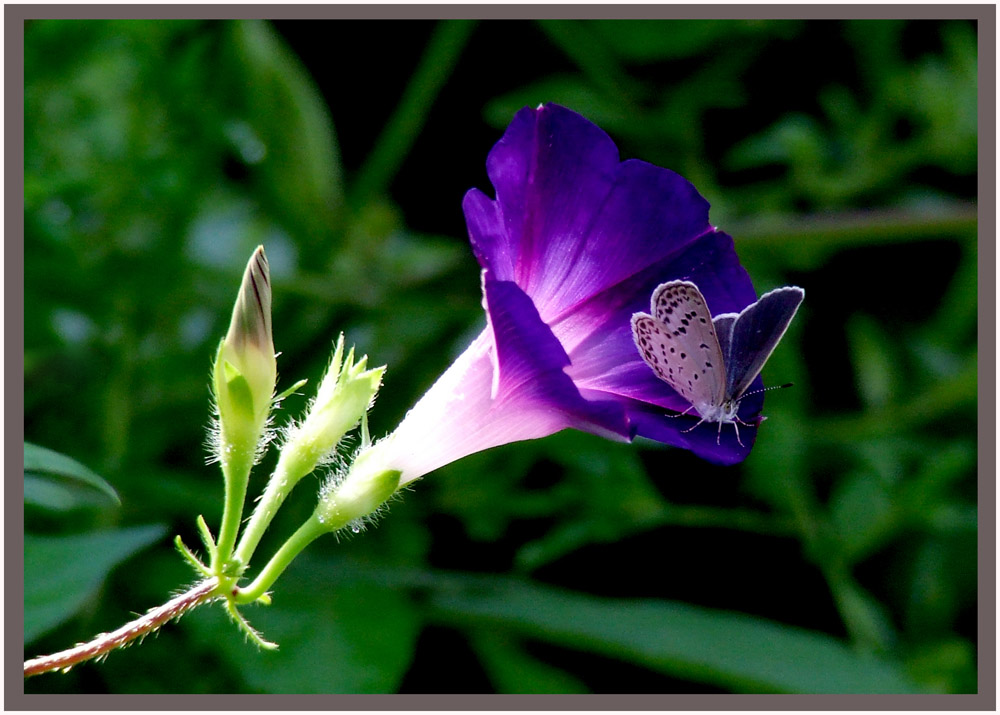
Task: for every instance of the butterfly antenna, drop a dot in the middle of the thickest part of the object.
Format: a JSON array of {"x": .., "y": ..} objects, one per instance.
[
  {"x": 737, "y": 421},
  {"x": 765, "y": 389}
]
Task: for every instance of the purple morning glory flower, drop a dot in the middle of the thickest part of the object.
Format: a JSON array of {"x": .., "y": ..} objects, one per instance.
[{"x": 574, "y": 243}]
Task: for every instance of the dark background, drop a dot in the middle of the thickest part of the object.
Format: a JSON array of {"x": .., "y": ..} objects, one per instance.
[{"x": 840, "y": 155}]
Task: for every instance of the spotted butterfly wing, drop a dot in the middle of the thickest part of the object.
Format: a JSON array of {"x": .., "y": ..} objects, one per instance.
[{"x": 678, "y": 341}]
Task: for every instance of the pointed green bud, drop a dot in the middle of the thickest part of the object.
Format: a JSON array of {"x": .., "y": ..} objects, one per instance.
[
  {"x": 245, "y": 368},
  {"x": 344, "y": 396},
  {"x": 354, "y": 498}
]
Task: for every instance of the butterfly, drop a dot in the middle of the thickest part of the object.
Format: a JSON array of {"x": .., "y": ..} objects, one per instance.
[{"x": 710, "y": 362}]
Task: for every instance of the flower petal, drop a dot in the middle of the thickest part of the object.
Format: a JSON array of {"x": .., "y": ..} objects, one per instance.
[
  {"x": 457, "y": 417},
  {"x": 569, "y": 219},
  {"x": 587, "y": 239},
  {"x": 707, "y": 440},
  {"x": 531, "y": 362},
  {"x": 597, "y": 335},
  {"x": 508, "y": 386}
]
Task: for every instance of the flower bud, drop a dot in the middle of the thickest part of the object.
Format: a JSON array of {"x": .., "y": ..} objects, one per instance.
[
  {"x": 245, "y": 368},
  {"x": 344, "y": 395},
  {"x": 355, "y": 498}
]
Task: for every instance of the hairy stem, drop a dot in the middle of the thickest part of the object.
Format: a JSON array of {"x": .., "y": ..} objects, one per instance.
[
  {"x": 237, "y": 474},
  {"x": 306, "y": 534},
  {"x": 278, "y": 488},
  {"x": 140, "y": 627}
]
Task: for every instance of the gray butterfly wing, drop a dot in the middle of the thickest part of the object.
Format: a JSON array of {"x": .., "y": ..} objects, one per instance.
[
  {"x": 679, "y": 343},
  {"x": 724, "y": 331},
  {"x": 755, "y": 334}
]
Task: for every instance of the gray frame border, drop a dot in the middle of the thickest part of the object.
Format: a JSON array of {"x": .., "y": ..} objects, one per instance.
[{"x": 15, "y": 698}]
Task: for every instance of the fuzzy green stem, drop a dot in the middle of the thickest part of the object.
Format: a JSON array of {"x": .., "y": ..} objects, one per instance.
[
  {"x": 278, "y": 488},
  {"x": 237, "y": 477},
  {"x": 306, "y": 534}
]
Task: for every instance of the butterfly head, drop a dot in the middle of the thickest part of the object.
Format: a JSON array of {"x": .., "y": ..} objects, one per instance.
[{"x": 725, "y": 413}]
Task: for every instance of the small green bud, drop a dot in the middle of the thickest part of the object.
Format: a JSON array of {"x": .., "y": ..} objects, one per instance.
[
  {"x": 245, "y": 368},
  {"x": 355, "y": 498},
  {"x": 344, "y": 396},
  {"x": 233, "y": 567}
]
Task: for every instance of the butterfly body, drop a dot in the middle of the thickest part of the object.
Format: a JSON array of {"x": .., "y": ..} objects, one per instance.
[{"x": 711, "y": 362}]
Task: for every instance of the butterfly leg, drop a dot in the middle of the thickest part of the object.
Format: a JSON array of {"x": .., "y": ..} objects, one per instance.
[
  {"x": 681, "y": 414},
  {"x": 735, "y": 427},
  {"x": 689, "y": 429}
]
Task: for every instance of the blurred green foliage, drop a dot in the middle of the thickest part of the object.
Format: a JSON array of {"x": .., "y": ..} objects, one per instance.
[{"x": 840, "y": 557}]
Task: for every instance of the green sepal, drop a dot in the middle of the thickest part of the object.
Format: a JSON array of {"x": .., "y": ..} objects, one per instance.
[
  {"x": 355, "y": 498},
  {"x": 240, "y": 396},
  {"x": 189, "y": 556},
  {"x": 206, "y": 536},
  {"x": 248, "y": 630},
  {"x": 290, "y": 390}
]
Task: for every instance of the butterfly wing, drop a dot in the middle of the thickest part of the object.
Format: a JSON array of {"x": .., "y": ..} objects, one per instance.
[
  {"x": 755, "y": 334},
  {"x": 724, "y": 331},
  {"x": 679, "y": 343}
]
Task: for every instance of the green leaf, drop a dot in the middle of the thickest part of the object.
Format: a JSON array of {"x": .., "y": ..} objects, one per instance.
[
  {"x": 937, "y": 583},
  {"x": 642, "y": 41},
  {"x": 56, "y": 482},
  {"x": 287, "y": 131},
  {"x": 605, "y": 494},
  {"x": 568, "y": 90},
  {"x": 953, "y": 394},
  {"x": 806, "y": 242},
  {"x": 488, "y": 506},
  {"x": 62, "y": 573},
  {"x": 864, "y": 515},
  {"x": 955, "y": 319},
  {"x": 512, "y": 670},
  {"x": 876, "y": 364},
  {"x": 731, "y": 650},
  {"x": 945, "y": 666},
  {"x": 868, "y": 620},
  {"x": 597, "y": 63},
  {"x": 926, "y": 494}
]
